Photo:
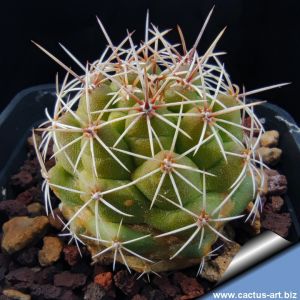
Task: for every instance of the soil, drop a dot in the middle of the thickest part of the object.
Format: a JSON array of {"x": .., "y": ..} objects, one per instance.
[{"x": 71, "y": 277}]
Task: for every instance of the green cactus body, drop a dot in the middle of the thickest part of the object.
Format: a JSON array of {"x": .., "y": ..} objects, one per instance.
[{"x": 151, "y": 155}]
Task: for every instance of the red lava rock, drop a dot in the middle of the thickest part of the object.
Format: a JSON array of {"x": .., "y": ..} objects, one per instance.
[
  {"x": 28, "y": 256},
  {"x": 165, "y": 285},
  {"x": 46, "y": 291},
  {"x": 23, "y": 274},
  {"x": 278, "y": 223},
  {"x": 12, "y": 208},
  {"x": 69, "y": 280},
  {"x": 277, "y": 185},
  {"x": 22, "y": 179},
  {"x": 127, "y": 283},
  {"x": 71, "y": 254},
  {"x": 104, "y": 279},
  {"x": 29, "y": 196},
  {"x": 189, "y": 286}
]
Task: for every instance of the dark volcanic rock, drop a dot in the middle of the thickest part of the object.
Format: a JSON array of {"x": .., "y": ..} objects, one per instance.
[
  {"x": 23, "y": 274},
  {"x": 277, "y": 185},
  {"x": 165, "y": 285},
  {"x": 278, "y": 223},
  {"x": 151, "y": 293},
  {"x": 30, "y": 195},
  {"x": 71, "y": 254},
  {"x": 139, "y": 297},
  {"x": 4, "y": 263},
  {"x": 189, "y": 286},
  {"x": 23, "y": 179},
  {"x": 277, "y": 203},
  {"x": 68, "y": 295},
  {"x": 46, "y": 275},
  {"x": 12, "y": 208},
  {"x": 46, "y": 291},
  {"x": 127, "y": 283},
  {"x": 27, "y": 257},
  {"x": 69, "y": 280},
  {"x": 95, "y": 292}
]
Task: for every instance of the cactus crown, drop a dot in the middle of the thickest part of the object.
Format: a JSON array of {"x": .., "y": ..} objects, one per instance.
[{"x": 152, "y": 157}]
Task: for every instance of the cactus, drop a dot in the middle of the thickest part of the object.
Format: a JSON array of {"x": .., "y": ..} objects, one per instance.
[{"x": 152, "y": 157}]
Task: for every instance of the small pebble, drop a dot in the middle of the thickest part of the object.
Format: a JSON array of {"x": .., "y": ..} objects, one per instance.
[
  {"x": 269, "y": 138},
  {"x": 35, "y": 209},
  {"x": 252, "y": 227},
  {"x": 214, "y": 269},
  {"x": 16, "y": 295},
  {"x": 51, "y": 250},
  {"x": 20, "y": 232},
  {"x": 270, "y": 156}
]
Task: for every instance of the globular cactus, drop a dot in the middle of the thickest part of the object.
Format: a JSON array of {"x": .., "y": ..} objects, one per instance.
[{"x": 152, "y": 157}]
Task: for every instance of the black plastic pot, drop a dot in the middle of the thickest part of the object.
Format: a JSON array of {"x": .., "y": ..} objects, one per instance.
[{"x": 26, "y": 111}]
